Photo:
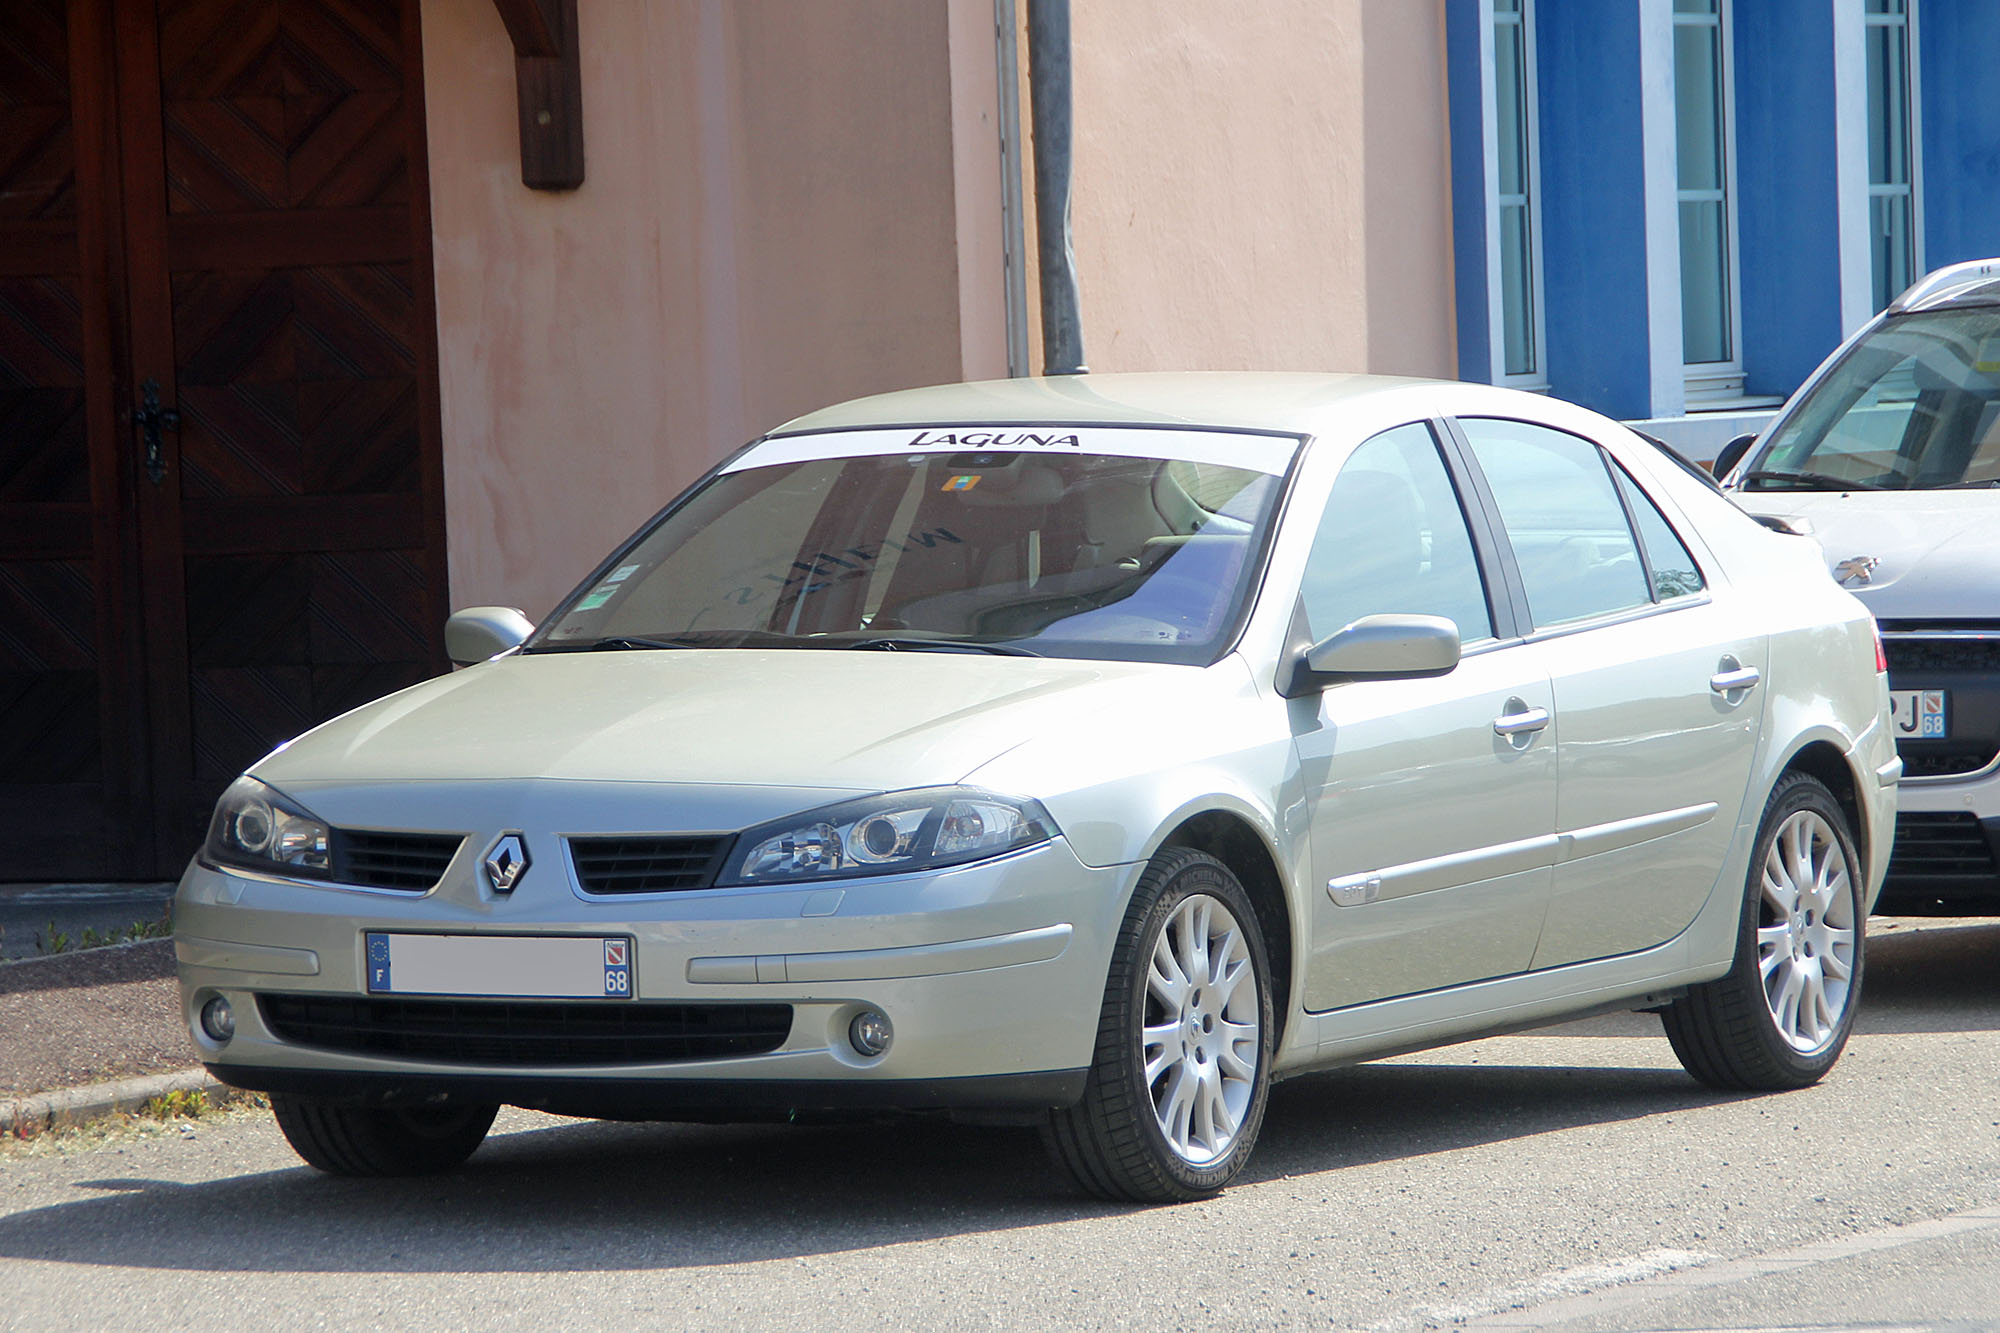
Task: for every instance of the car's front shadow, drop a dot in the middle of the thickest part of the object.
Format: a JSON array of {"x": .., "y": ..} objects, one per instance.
[
  {"x": 590, "y": 1196},
  {"x": 594, "y": 1196}
]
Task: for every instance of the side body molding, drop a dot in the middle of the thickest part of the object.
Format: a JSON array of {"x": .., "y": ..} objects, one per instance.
[{"x": 1483, "y": 863}]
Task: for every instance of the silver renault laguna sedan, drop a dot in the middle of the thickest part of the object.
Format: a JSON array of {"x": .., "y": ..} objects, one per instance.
[{"x": 1091, "y": 750}]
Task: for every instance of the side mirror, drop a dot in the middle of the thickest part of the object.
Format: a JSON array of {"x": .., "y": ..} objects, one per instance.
[
  {"x": 480, "y": 632},
  {"x": 1384, "y": 647},
  {"x": 1732, "y": 454}
]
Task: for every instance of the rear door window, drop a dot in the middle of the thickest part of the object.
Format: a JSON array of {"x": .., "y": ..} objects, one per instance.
[
  {"x": 1669, "y": 564},
  {"x": 1571, "y": 538}
]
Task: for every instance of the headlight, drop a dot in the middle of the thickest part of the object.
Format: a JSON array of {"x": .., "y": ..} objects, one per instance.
[
  {"x": 257, "y": 829},
  {"x": 888, "y": 835}
]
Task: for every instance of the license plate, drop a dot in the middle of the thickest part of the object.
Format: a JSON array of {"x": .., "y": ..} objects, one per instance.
[
  {"x": 1918, "y": 714},
  {"x": 580, "y": 967}
]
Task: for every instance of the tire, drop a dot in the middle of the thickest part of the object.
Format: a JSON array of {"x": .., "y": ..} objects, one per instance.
[
  {"x": 1779, "y": 1017},
  {"x": 381, "y": 1141},
  {"x": 1190, "y": 985}
]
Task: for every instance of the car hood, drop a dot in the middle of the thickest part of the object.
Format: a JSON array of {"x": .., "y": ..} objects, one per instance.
[
  {"x": 841, "y": 721},
  {"x": 1937, "y": 553}
]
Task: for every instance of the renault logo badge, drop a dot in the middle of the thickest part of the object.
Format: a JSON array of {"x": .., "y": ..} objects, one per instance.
[{"x": 506, "y": 861}]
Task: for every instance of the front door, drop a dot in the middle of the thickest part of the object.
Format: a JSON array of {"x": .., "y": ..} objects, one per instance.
[
  {"x": 1433, "y": 802},
  {"x": 221, "y": 513}
]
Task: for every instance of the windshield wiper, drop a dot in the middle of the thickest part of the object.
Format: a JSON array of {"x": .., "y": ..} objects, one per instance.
[
  {"x": 1819, "y": 481},
  {"x": 616, "y": 643},
  {"x": 893, "y": 645}
]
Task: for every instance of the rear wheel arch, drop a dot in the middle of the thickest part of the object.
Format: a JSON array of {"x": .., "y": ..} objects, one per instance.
[
  {"x": 1824, "y": 760},
  {"x": 1232, "y": 840}
]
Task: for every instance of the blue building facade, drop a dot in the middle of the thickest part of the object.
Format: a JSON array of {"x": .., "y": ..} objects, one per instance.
[{"x": 1672, "y": 210}]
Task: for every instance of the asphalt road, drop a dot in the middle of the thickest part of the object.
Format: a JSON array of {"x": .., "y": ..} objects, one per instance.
[{"x": 1572, "y": 1179}]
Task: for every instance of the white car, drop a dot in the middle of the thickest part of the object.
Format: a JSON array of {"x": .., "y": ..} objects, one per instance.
[
  {"x": 1091, "y": 751},
  {"x": 1890, "y": 456}
]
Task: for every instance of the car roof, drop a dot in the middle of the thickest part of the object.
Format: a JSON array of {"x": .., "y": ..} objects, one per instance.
[
  {"x": 1293, "y": 403},
  {"x": 1975, "y": 282}
]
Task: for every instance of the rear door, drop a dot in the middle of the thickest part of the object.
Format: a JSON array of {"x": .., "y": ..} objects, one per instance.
[{"x": 1657, "y": 685}]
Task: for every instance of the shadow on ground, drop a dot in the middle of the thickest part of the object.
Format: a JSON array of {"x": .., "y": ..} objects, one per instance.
[
  {"x": 588, "y": 1197},
  {"x": 670, "y": 1196}
]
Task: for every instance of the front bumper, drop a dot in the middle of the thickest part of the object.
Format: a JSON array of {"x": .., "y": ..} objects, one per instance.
[
  {"x": 992, "y": 977},
  {"x": 1947, "y": 855}
]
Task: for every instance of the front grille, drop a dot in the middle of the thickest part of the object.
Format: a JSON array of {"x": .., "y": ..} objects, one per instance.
[
  {"x": 647, "y": 865},
  {"x": 526, "y": 1033},
  {"x": 1962, "y": 659},
  {"x": 1941, "y": 850},
  {"x": 377, "y": 860},
  {"x": 1976, "y": 655}
]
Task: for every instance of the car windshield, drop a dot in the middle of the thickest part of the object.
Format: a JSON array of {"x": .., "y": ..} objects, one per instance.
[
  {"x": 1915, "y": 405},
  {"x": 1123, "y": 544}
]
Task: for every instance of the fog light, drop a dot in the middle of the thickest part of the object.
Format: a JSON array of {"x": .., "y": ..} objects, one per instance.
[
  {"x": 218, "y": 1020},
  {"x": 869, "y": 1032}
]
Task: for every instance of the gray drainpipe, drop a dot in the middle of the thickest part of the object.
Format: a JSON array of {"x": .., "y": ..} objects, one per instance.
[{"x": 1049, "y": 97}]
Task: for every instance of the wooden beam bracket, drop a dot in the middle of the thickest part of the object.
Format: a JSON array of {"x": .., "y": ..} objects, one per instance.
[{"x": 548, "y": 84}]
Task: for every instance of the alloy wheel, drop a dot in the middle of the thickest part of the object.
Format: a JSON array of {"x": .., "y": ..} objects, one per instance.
[
  {"x": 1806, "y": 932},
  {"x": 1203, "y": 1029}
]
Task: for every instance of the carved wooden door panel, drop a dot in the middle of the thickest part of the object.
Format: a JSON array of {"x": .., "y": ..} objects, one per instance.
[
  {"x": 72, "y": 777},
  {"x": 279, "y": 546}
]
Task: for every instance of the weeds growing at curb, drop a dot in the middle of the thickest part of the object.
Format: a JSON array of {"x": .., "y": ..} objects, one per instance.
[
  {"x": 53, "y": 941},
  {"x": 178, "y": 1104},
  {"x": 175, "y": 1113}
]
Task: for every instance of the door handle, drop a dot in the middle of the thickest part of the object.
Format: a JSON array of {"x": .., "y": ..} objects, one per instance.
[
  {"x": 1733, "y": 679},
  {"x": 151, "y": 419},
  {"x": 1520, "y": 720}
]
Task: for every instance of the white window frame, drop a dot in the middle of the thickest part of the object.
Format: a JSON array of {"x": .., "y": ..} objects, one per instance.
[
  {"x": 1719, "y": 381},
  {"x": 1914, "y": 151},
  {"x": 1537, "y": 379}
]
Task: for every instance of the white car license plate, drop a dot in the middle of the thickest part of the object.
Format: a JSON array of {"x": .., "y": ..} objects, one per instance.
[
  {"x": 1918, "y": 714},
  {"x": 596, "y": 967}
]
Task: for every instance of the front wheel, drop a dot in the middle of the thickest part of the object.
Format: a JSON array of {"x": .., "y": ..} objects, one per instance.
[
  {"x": 1182, "y": 1066},
  {"x": 1780, "y": 1016},
  {"x": 381, "y": 1140}
]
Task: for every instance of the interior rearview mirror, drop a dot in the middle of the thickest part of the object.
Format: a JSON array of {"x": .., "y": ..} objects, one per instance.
[{"x": 480, "y": 632}]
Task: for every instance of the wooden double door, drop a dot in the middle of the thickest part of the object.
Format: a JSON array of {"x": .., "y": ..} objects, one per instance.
[{"x": 221, "y": 509}]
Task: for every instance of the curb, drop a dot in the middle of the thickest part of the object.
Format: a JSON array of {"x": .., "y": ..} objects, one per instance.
[{"x": 27, "y": 1116}]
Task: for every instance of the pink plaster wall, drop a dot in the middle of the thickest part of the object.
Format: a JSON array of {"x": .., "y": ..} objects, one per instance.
[
  {"x": 1263, "y": 185},
  {"x": 791, "y": 202},
  {"x": 770, "y": 223}
]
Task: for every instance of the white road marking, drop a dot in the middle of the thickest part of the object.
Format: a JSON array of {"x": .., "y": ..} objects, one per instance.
[
  {"x": 1702, "y": 1271},
  {"x": 1567, "y": 1282}
]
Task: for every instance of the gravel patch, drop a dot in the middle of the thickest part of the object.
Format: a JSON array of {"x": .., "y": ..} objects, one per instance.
[{"x": 90, "y": 1016}]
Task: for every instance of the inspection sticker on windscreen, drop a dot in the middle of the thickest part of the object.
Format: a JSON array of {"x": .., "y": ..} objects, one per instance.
[{"x": 580, "y": 967}]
